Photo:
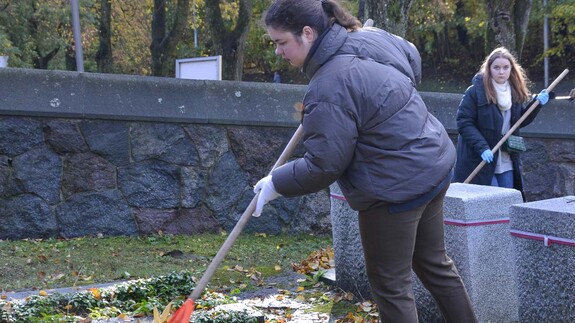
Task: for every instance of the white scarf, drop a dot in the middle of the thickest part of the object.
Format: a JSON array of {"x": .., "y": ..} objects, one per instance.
[{"x": 503, "y": 92}]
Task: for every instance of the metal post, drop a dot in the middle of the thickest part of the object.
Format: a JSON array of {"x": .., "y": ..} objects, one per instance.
[
  {"x": 545, "y": 43},
  {"x": 195, "y": 27},
  {"x": 77, "y": 36}
]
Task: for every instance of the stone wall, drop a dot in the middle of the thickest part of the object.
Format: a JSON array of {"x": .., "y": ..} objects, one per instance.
[{"x": 85, "y": 154}]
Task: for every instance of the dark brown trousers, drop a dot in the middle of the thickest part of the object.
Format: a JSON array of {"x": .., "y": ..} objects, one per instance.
[{"x": 394, "y": 244}]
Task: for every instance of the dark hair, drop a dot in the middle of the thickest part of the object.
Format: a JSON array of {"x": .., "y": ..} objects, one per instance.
[{"x": 293, "y": 15}]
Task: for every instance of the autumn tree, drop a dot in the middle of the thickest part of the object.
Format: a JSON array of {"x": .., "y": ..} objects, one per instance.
[
  {"x": 508, "y": 20},
  {"x": 389, "y": 15},
  {"x": 229, "y": 35},
  {"x": 563, "y": 33},
  {"x": 166, "y": 38},
  {"x": 36, "y": 28}
]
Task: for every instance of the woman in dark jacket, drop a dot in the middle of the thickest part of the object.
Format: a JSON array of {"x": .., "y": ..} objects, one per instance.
[
  {"x": 366, "y": 126},
  {"x": 493, "y": 103}
]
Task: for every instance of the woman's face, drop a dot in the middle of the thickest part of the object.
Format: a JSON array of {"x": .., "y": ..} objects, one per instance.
[
  {"x": 290, "y": 47},
  {"x": 500, "y": 70}
]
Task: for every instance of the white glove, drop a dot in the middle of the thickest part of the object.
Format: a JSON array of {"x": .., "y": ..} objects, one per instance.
[{"x": 267, "y": 191}]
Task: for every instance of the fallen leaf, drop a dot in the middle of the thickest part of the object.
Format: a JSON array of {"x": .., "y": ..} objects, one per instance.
[
  {"x": 95, "y": 292},
  {"x": 300, "y": 298},
  {"x": 124, "y": 317}
]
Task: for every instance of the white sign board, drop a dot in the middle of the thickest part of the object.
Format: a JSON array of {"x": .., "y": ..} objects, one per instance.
[{"x": 199, "y": 68}]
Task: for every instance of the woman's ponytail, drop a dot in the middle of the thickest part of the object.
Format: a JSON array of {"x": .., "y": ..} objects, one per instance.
[
  {"x": 336, "y": 13},
  {"x": 293, "y": 15}
]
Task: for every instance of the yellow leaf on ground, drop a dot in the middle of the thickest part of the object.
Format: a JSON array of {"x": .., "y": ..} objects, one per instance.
[
  {"x": 95, "y": 292},
  {"x": 124, "y": 317}
]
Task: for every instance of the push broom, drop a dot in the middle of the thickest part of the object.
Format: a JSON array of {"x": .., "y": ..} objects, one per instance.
[
  {"x": 184, "y": 313},
  {"x": 516, "y": 125}
]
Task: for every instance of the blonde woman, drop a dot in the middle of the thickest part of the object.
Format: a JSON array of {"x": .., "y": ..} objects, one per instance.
[{"x": 497, "y": 98}]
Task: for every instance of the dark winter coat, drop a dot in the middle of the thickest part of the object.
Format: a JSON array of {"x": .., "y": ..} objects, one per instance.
[
  {"x": 479, "y": 124},
  {"x": 365, "y": 125}
]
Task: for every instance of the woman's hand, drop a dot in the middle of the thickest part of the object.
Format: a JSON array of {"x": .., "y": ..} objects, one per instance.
[
  {"x": 265, "y": 187},
  {"x": 487, "y": 156},
  {"x": 543, "y": 97}
]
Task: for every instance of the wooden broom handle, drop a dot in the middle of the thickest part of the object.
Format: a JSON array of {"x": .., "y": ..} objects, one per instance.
[{"x": 225, "y": 248}]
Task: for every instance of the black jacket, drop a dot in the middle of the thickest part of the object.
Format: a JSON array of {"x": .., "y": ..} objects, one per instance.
[
  {"x": 365, "y": 125},
  {"x": 479, "y": 124}
]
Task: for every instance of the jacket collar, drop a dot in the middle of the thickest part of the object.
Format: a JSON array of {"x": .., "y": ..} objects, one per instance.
[
  {"x": 324, "y": 48},
  {"x": 477, "y": 82}
]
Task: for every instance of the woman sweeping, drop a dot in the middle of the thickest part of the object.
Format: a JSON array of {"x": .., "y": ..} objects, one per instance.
[{"x": 366, "y": 127}]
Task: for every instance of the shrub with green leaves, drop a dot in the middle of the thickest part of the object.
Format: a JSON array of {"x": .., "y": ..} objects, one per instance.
[{"x": 138, "y": 297}]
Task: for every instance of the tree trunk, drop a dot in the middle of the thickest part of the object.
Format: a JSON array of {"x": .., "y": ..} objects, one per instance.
[
  {"x": 70, "y": 58},
  {"x": 104, "y": 58},
  {"x": 164, "y": 40},
  {"x": 501, "y": 31},
  {"x": 41, "y": 60},
  {"x": 521, "y": 18},
  {"x": 229, "y": 43},
  {"x": 361, "y": 11},
  {"x": 389, "y": 15}
]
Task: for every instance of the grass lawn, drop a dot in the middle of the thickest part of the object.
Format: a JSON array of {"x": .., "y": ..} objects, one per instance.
[
  {"x": 53, "y": 263},
  {"x": 163, "y": 268}
]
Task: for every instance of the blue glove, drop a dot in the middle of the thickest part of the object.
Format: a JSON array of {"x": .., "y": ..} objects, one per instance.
[
  {"x": 543, "y": 97},
  {"x": 487, "y": 156}
]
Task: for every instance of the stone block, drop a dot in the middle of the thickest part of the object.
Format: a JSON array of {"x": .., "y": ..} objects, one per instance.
[
  {"x": 544, "y": 241},
  {"x": 350, "y": 273},
  {"x": 477, "y": 239}
]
